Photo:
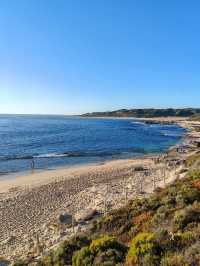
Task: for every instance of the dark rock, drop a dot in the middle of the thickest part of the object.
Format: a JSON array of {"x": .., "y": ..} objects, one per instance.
[
  {"x": 65, "y": 218},
  {"x": 86, "y": 215},
  {"x": 139, "y": 168}
]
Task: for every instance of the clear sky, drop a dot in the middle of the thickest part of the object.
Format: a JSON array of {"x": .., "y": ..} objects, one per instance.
[{"x": 75, "y": 56}]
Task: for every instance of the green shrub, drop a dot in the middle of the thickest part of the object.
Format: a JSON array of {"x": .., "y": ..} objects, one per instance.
[
  {"x": 60, "y": 254},
  {"x": 47, "y": 261},
  {"x": 117, "y": 222},
  {"x": 103, "y": 243},
  {"x": 187, "y": 194},
  {"x": 194, "y": 174},
  {"x": 173, "y": 242},
  {"x": 63, "y": 254},
  {"x": 187, "y": 238},
  {"x": 150, "y": 260},
  {"x": 109, "y": 257},
  {"x": 164, "y": 239},
  {"x": 160, "y": 214},
  {"x": 143, "y": 246},
  {"x": 153, "y": 203},
  {"x": 139, "y": 205},
  {"x": 183, "y": 217},
  {"x": 102, "y": 251},
  {"x": 82, "y": 257},
  {"x": 169, "y": 200}
]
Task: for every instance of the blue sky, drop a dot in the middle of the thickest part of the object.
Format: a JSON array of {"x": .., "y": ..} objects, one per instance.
[{"x": 75, "y": 56}]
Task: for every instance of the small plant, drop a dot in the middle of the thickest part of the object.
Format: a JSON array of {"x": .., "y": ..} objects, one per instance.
[
  {"x": 139, "y": 205},
  {"x": 160, "y": 214},
  {"x": 82, "y": 257},
  {"x": 143, "y": 245},
  {"x": 153, "y": 203},
  {"x": 46, "y": 261},
  {"x": 169, "y": 199},
  {"x": 194, "y": 174},
  {"x": 173, "y": 260},
  {"x": 138, "y": 220},
  {"x": 187, "y": 238}
]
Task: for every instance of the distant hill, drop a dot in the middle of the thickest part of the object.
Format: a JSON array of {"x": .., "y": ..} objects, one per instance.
[{"x": 147, "y": 112}]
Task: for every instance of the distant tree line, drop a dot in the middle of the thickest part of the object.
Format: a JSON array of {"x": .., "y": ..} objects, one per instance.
[{"x": 147, "y": 112}]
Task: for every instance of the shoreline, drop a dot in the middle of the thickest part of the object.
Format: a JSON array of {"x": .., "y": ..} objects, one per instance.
[
  {"x": 41, "y": 177},
  {"x": 14, "y": 176},
  {"x": 31, "y": 206},
  {"x": 10, "y": 176}
]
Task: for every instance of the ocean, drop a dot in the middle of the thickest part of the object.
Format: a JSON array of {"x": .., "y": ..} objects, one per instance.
[{"x": 55, "y": 141}]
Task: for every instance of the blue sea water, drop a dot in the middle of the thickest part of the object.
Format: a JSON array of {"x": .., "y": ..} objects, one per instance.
[{"x": 54, "y": 141}]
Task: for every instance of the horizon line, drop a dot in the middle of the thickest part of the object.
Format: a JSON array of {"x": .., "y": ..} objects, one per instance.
[{"x": 59, "y": 114}]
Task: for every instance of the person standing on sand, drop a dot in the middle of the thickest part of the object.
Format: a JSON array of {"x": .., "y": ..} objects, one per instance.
[{"x": 32, "y": 164}]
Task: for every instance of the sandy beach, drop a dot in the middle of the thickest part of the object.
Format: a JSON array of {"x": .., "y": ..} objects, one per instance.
[
  {"x": 31, "y": 204},
  {"x": 38, "y": 178}
]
